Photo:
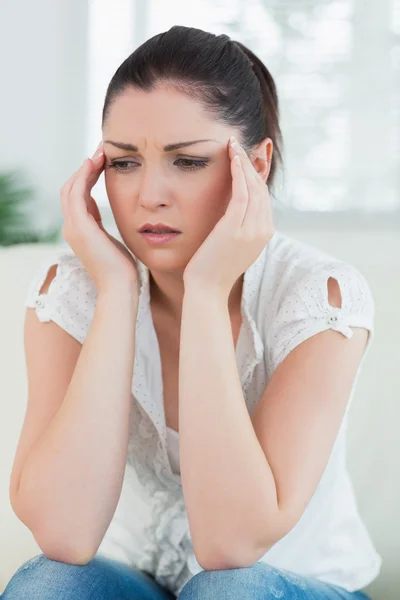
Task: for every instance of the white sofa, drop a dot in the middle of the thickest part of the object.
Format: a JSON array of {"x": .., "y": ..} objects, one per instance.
[{"x": 373, "y": 440}]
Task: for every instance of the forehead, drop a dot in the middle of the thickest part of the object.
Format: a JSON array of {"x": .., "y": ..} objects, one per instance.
[{"x": 164, "y": 114}]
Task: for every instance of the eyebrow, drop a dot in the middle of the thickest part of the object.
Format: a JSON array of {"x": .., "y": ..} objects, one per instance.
[{"x": 167, "y": 148}]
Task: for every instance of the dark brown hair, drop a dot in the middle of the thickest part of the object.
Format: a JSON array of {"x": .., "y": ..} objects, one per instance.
[{"x": 231, "y": 82}]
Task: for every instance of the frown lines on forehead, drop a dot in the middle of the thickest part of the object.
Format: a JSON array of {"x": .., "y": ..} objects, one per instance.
[{"x": 167, "y": 148}]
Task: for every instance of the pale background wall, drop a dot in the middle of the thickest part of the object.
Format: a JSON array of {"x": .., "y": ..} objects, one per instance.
[{"x": 43, "y": 58}]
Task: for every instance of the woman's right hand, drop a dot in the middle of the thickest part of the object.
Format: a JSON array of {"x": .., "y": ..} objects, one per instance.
[{"x": 107, "y": 260}]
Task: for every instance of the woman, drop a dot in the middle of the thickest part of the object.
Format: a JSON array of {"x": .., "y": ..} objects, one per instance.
[{"x": 203, "y": 376}]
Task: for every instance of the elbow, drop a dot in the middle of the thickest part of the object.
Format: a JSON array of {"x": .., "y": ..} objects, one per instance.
[
  {"x": 55, "y": 545},
  {"x": 61, "y": 552},
  {"x": 238, "y": 551},
  {"x": 71, "y": 559},
  {"x": 233, "y": 557},
  {"x": 216, "y": 562},
  {"x": 60, "y": 549}
]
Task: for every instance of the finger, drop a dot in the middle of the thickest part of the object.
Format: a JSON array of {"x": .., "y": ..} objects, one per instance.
[
  {"x": 253, "y": 182},
  {"x": 252, "y": 210},
  {"x": 66, "y": 189},
  {"x": 68, "y": 184},
  {"x": 258, "y": 218},
  {"x": 236, "y": 209},
  {"x": 96, "y": 168},
  {"x": 252, "y": 177},
  {"x": 93, "y": 209},
  {"x": 65, "y": 192},
  {"x": 83, "y": 183},
  {"x": 77, "y": 200},
  {"x": 254, "y": 191},
  {"x": 98, "y": 163}
]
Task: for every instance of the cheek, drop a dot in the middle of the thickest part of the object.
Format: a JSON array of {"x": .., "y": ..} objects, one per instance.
[
  {"x": 111, "y": 187},
  {"x": 118, "y": 192},
  {"x": 210, "y": 201},
  {"x": 219, "y": 191}
]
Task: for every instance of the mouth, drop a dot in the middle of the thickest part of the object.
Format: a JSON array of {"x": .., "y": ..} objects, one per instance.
[
  {"x": 159, "y": 237},
  {"x": 158, "y": 231},
  {"x": 157, "y": 228}
]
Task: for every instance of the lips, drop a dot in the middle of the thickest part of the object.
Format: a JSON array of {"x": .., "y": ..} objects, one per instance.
[
  {"x": 159, "y": 239},
  {"x": 157, "y": 228},
  {"x": 158, "y": 231}
]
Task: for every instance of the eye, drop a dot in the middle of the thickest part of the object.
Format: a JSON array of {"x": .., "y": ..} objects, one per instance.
[
  {"x": 194, "y": 164},
  {"x": 119, "y": 166},
  {"x": 189, "y": 165}
]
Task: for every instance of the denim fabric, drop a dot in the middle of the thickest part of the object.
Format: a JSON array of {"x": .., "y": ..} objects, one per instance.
[{"x": 104, "y": 579}]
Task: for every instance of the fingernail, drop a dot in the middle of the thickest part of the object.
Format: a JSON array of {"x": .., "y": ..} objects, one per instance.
[
  {"x": 98, "y": 154},
  {"x": 99, "y": 151},
  {"x": 235, "y": 145}
]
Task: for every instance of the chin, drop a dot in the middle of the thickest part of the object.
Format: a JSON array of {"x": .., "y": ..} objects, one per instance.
[{"x": 158, "y": 259}]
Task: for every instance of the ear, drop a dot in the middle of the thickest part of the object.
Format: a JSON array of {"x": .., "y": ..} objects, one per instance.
[{"x": 261, "y": 157}]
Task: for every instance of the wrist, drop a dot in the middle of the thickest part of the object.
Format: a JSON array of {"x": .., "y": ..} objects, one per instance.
[
  {"x": 196, "y": 293},
  {"x": 119, "y": 290}
]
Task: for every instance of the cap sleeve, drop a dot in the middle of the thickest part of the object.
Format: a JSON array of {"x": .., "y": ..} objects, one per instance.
[
  {"x": 71, "y": 296},
  {"x": 305, "y": 309}
]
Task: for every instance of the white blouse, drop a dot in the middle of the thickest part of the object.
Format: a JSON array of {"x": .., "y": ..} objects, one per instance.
[
  {"x": 284, "y": 302},
  {"x": 173, "y": 449}
]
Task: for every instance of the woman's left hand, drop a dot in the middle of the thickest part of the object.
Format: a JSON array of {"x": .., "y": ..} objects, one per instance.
[{"x": 240, "y": 235}]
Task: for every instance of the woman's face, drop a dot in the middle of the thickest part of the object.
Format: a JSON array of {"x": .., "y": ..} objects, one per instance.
[{"x": 187, "y": 189}]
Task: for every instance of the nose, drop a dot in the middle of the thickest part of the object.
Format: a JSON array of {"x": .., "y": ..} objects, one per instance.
[{"x": 153, "y": 190}]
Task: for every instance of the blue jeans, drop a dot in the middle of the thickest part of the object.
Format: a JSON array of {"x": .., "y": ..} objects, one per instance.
[{"x": 103, "y": 579}]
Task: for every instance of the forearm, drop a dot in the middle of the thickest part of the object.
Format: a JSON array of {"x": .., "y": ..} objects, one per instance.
[
  {"x": 71, "y": 482},
  {"x": 229, "y": 488}
]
